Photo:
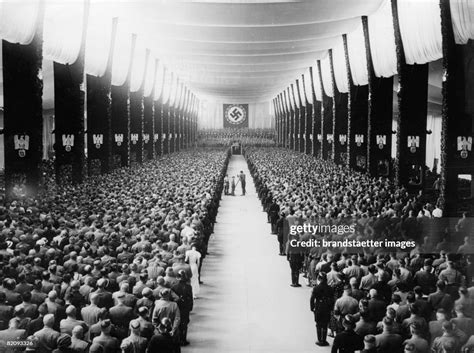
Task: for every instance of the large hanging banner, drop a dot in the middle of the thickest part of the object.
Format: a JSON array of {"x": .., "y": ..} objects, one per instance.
[{"x": 236, "y": 116}]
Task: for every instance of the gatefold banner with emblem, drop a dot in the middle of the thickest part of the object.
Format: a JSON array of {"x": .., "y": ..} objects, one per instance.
[{"x": 236, "y": 116}]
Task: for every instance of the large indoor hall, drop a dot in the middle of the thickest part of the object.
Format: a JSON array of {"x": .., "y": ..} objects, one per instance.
[{"x": 236, "y": 176}]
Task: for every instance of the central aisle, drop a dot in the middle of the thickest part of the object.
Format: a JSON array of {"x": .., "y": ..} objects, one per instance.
[{"x": 246, "y": 303}]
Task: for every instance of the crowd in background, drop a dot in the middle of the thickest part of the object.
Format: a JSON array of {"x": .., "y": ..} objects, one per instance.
[
  {"x": 247, "y": 137},
  {"x": 112, "y": 264},
  {"x": 419, "y": 299}
]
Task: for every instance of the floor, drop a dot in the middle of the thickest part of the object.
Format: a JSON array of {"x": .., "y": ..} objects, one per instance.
[{"x": 246, "y": 303}]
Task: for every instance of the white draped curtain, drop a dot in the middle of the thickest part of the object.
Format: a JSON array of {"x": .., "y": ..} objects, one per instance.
[
  {"x": 357, "y": 57},
  {"x": 340, "y": 68},
  {"x": 150, "y": 76},
  {"x": 420, "y": 27},
  {"x": 462, "y": 15},
  {"x": 63, "y": 30},
  {"x": 301, "y": 90},
  {"x": 327, "y": 78},
  {"x": 122, "y": 55},
  {"x": 382, "y": 41},
  {"x": 160, "y": 72},
  {"x": 307, "y": 87},
  {"x": 18, "y": 20},
  {"x": 138, "y": 67},
  {"x": 98, "y": 41}
]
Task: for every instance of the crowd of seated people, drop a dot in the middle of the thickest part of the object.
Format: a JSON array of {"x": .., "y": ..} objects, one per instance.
[
  {"x": 112, "y": 264},
  {"x": 418, "y": 299},
  {"x": 247, "y": 137}
]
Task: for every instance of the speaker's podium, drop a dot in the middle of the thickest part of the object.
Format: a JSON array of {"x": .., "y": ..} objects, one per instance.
[{"x": 236, "y": 148}]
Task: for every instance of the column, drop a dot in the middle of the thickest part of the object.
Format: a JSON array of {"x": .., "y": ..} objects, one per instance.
[
  {"x": 458, "y": 116},
  {"x": 277, "y": 127},
  {"x": 317, "y": 120},
  {"x": 327, "y": 122},
  {"x": 121, "y": 117},
  {"x": 340, "y": 126},
  {"x": 158, "y": 139},
  {"x": 99, "y": 116},
  {"x": 380, "y": 112},
  {"x": 149, "y": 131},
  {"x": 289, "y": 138},
  {"x": 23, "y": 115},
  {"x": 284, "y": 134},
  {"x": 308, "y": 124},
  {"x": 412, "y": 107},
  {"x": 166, "y": 128},
  {"x": 137, "y": 106},
  {"x": 69, "y": 116},
  {"x": 301, "y": 121},
  {"x": 296, "y": 119}
]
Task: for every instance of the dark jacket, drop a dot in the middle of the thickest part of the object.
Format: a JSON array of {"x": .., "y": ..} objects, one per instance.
[{"x": 322, "y": 302}]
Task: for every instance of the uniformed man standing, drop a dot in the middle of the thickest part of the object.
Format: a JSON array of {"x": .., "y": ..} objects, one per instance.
[
  {"x": 296, "y": 259},
  {"x": 232, "y": 185},
  {"x": 321, "y": 302},
  {"x": 226, "y": 185},
  {"x": 185, "y": 304},
  {"x": 242, "y": 182}
]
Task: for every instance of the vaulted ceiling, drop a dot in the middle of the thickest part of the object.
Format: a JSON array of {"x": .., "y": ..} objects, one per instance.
[
  {"x": 244, "y": 50},
  {"x": 236, "y": 50}
]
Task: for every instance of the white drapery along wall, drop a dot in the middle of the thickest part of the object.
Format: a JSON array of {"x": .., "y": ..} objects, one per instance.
[{"x": 261, "y": 115}]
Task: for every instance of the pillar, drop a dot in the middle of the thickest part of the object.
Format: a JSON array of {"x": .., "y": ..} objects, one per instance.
[
  {"x": 316, "y": 118},
  {"x": 121, "y": 117},
  {"x": 23, "y": 115},
  {"x": 457, "y": 120},
  {"x": 308, "y": 123},
  {"x": 99, "y": 116},
  {"x": 158, "y": 139},
  {"x": 301, "y": 121},
  {"x": 380, "y": 112},
  {"x": 149, "y": 132},
  {"x": 137, "y": 120},
  {"x": 69, "y": 116},
  {"x": 412, "y": 107},
  {"x": 289, "y": 138},
  {"x": 296, "y": 119},
  {"x": 340, "y": 126},
  {"x": 166, "y": 131},
  {"x": 327, "y": 122}
]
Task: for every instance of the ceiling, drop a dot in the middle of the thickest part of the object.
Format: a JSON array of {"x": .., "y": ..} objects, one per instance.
[
  {"x": 243, "y": 50},
  {"x": 237, "y": 50}
]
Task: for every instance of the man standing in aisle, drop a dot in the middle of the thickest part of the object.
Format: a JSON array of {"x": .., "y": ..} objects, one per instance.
[
  {"x": 242, "y": 181},
  {"x": 322, "y": 301}
]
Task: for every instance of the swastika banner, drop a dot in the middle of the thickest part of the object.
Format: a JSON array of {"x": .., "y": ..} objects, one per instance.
[{"x": 236, "y": 116}]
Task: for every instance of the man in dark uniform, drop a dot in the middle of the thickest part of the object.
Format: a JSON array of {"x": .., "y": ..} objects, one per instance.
[
  {"x": 279, "y": 229},
  {"x": 296, "y": 259},
  {"x": 226, "y": 185},
  {"x": 321, "y": 302},
  {"x": 273, "y": 211},
  {"x": 347, "y": 341},
  {"x": 185, "y": 304},
  {"x": 242, "y": 181}
]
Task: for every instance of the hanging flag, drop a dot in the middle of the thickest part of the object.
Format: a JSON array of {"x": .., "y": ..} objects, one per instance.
[{"x": 236, "y": 116}]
